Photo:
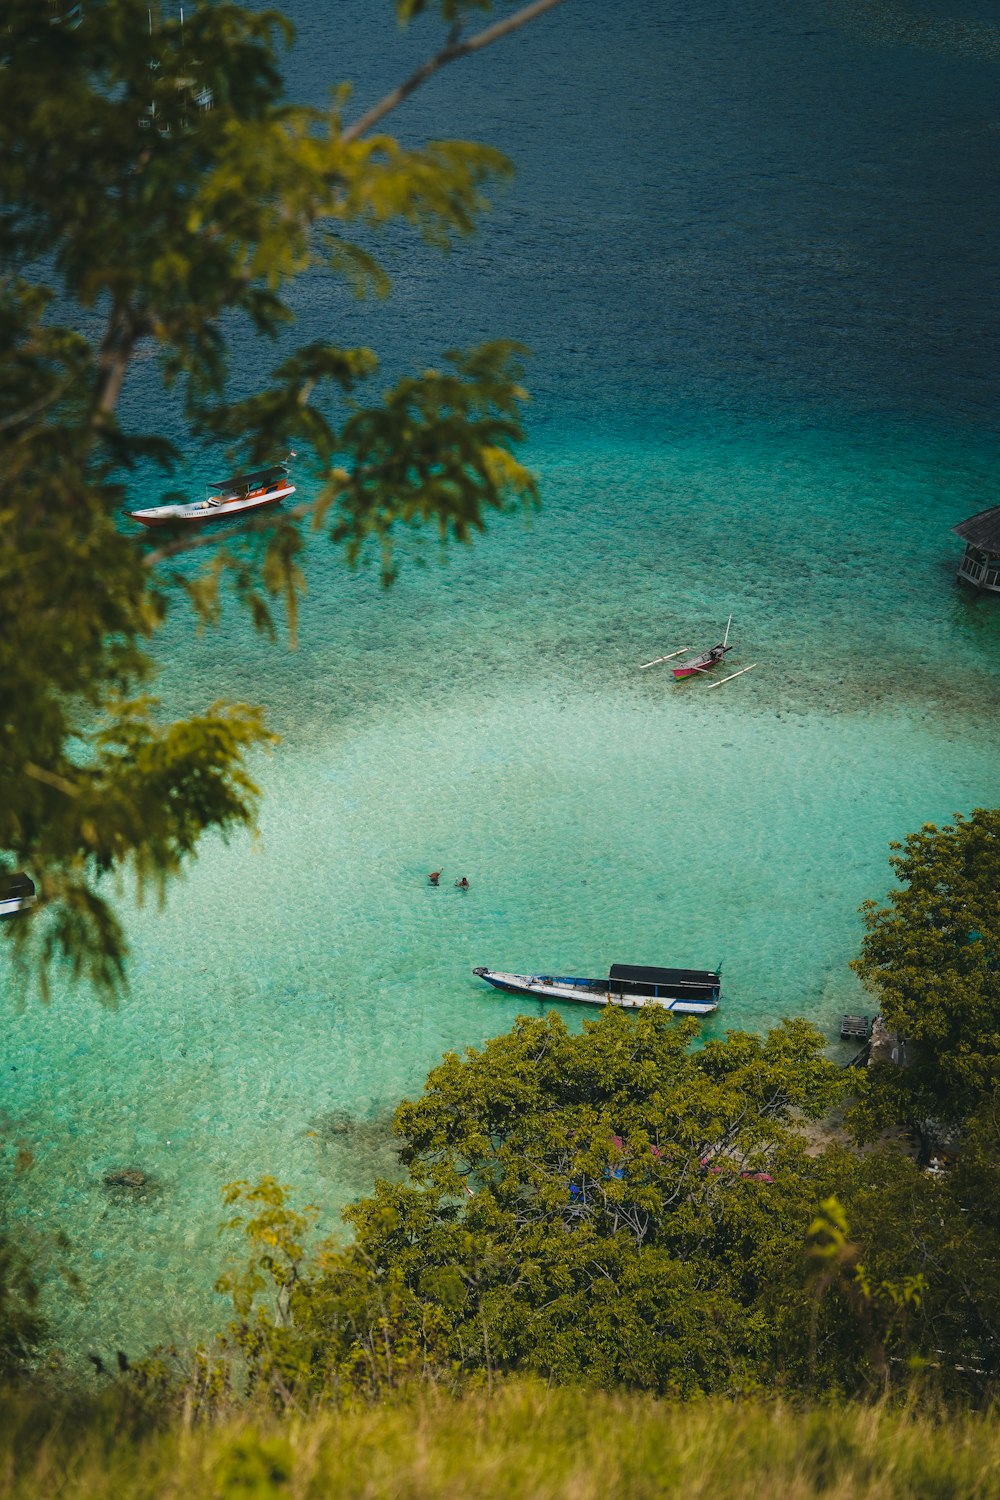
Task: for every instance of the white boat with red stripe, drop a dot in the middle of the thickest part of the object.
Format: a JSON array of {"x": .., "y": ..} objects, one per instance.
[{"x": 239, "y": 495}]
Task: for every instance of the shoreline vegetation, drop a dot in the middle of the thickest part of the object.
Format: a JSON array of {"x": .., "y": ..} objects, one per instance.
[{"x": 522, "y": 1442}]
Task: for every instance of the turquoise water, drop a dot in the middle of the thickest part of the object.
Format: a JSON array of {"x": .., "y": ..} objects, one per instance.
[{"x": 773, "y": 404}]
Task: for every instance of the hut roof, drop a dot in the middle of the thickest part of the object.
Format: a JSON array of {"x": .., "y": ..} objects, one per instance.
[{"x": 982, "y": 529}]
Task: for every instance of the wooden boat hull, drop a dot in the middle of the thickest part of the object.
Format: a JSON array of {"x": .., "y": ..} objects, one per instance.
[
  {"x": 700, "y": 664},
  {"x": 203, "y": 511},
  {"x": 592, "y": 992}
]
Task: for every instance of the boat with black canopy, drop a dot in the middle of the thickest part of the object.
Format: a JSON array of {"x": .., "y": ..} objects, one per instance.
[
  {"x": 238, "y": 495},
  {"x": 693, "y": 992}
]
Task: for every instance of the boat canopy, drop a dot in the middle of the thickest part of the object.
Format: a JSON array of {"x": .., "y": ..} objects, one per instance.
[
  {"x": 252, "y": 480},
  {"x": 16, "y": 887},
  {"x": 691, "y": 984}
]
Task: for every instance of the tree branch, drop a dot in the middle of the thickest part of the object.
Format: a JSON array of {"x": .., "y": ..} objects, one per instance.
[
  {"x": 51, "y": 397},
  {"x": 449, "y": 53},
  {"x": 123, "y": 333},
  {"x": 50, "y": 778}
]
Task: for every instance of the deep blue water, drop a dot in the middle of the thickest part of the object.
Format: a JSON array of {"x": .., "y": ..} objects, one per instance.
[{"x": 749, "y": 210}]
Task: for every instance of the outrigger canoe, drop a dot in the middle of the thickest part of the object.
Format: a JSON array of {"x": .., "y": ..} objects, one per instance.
[
  {"x": 693, "y": 992},
  {"x": 696, "y": 665}
]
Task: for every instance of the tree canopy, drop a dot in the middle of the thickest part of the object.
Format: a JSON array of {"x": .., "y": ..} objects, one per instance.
[
  {"x": 616, "y": 1207},
  {"x": 625, "y": 1206},
  {"x": 931, "y": 956},
  {"x": 159, "y": 196}
]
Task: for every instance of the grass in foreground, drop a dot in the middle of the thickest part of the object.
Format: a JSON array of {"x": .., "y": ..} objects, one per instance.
[{"x": 524, "y": 1443}]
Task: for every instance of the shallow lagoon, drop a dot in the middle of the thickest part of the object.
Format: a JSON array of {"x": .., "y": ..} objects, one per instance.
[{"x": 490, "y": 718}]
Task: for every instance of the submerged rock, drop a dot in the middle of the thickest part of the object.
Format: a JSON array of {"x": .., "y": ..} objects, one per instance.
[
  {"x": 335, "y": 1122},
  {"x": 129, "y": 1180},
  {"x": 364, "y": 1148}
]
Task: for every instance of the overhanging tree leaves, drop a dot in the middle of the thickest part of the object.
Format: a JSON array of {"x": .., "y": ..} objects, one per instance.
[{"x": 159, "y": 196}]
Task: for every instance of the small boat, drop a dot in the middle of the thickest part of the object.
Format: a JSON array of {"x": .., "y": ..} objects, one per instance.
[
  {"x": 693, "y": 992},
  {"x": 236, "y": 496},
  {"x": 16, "y": 893},
  {"x": 706, "y": 661}
]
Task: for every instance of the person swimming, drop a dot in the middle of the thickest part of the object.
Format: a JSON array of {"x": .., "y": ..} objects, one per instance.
[
  {"x": 435, "y": 876},
  {"x": 462, "y": 885}
]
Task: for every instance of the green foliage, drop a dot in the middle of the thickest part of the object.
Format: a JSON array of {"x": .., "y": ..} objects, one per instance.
[
  {"x": 451, "y": 10},
  {"x": 977, "y": 1174},
  {"x": 621, "y": 1208},
  {"x": 932, "y": 959},
  {"x": 28, "y": 1260},
  {"x": 136, "y": 222},
  {"x": 524, "y": 1441},
  {"x": 914, "y": 1224},
  {"x": 613, "y": 1207},
  {"x": 880, "y": 1306},
  {"x": 22, "y": 1325},
  {"x": 276, "y": 1231},
  {"x": 254, "y": 1466}
]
